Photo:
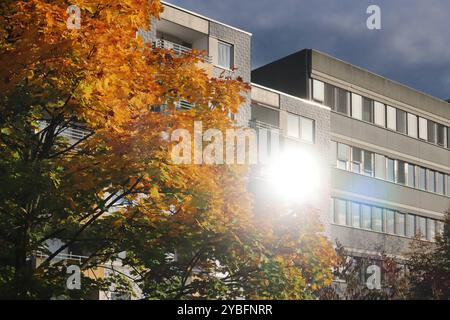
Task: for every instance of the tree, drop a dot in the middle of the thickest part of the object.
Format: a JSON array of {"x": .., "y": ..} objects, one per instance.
[
  {"x": 188, "y": 230},
  {"x": 351, "y": 274},
  {"x": 429, "y": 266}
]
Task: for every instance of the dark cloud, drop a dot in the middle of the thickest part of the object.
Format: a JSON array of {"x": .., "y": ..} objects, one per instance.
[{"x": 413, "y": 46}]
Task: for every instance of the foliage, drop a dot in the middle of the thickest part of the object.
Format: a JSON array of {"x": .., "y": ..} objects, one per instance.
[
  {"x": 429, "y": 266},
  {"x": 116, "y": 189}
]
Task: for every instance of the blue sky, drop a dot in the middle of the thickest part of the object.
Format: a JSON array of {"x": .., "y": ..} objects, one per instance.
[{"x": 413, "y": 46}]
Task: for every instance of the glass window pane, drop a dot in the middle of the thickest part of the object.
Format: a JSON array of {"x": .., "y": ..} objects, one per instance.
[
  {"x": 341, "y": 212},
  {"x": 411, "y": 176},
  {"x": 380, "y": 166},
  {"x": 380, "y": 114},
  {"x": 343, "y": 152},
  {"x": 329, "y": 96},
  {"x": 225, "y": 55},
  {"x": 399, "y": 224},
  {"x": 390, "y": 174},
  {"x": 390, "y": 221},
  {"x": 423, "y": 128},
  {"x": 307, "y": 129},
  {"x": 356, "y": 215},
  {"x": 432, "y": 131},
  {"x": 401, "y": 121},
  {"x": 401, "y": 172},
  {"x": 412, "y": 125},
  {"x": 422, "y": 178},
  {"x": 391, "y": 115},
  {"x": 448, "y": 138},
  {"x": 366, "y": 222},
  {"x": 421, "y": 227},
  {"x": 431, "y": 185},
  {"x": 447, "y": 190},
  {"x": 439, "y": 228},
  {"x": 441, "y": 135},
  {"x": 293, "y": 126},
  {"x": 318, "y": 91},
  {"x": 342, "y": 101},
  {"x": 377, "y": 219},
  {"x": 333, "y": 155},
  {"x": 410, "y": 225},
  {"x": 367, "y": 109},
  {"x": 356, "y": 160},
  {"x": 431, "y": 229},
  {"x": 440, "y": 183},
  {"x": 368, "y": 163},
  {"x": 356, "y": 106}
]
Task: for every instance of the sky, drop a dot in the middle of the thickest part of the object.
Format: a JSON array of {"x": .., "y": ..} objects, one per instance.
[{"x": 412, "y": 47}]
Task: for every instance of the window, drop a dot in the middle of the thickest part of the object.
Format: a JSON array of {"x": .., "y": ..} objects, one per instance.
[
  {"x": 431, "y": 185},
  {"x": 343, "y": 156},
  {"x": 440, "y": 183},
  {"x": 380, "y": 114},
  {"x": 366, "y": 222},
  {"x": 341, "y": 212},
  {"x": 318, "y": 91},
  {"x": 421, "y": 223},
  {"x": 411, "y": 176},
  {"x": 390, "y": 174},
  {"x": 448, "y": 137},
  {"x": 439, "y": 227},
  {"x": 390, "y": 221},
  {"x": 448, "y": 185},
  {"x": 342, "y": 101},
  {"x": 441, "y": 135},
  {"x": 380, "y": 166},
  {"x": 333, "y": 151},
  {"x": 412, "y": 125},
  {"x": 356, "y": 213},
  {"x": 307, "y": 129},
  {"x": 410, "y": 225},
  {"x": 401, "y": 121},
  {"x": 423, "y": 128},
  {"x": 391, "y": 116},
  {"x": 226, "y": 55},
  {"x": 377, "y": 219},
  {"x": 431, "y": 229},
  {"x": 399, "y": 224},
  {"x": 300, "y": 128},
  {"x": 356, "y": 106},
  {"x": 329, "y": 96},
  {"x": 356, "y": 160},
  {"x": 422, "y": 178},
  {"x": 400, "y": 172},
  {"x": 293, "y": 126},
  {"x": 367, "y": 109},
  {"x": 432, "y": 131},
  {"x": 368, "y": 163}
]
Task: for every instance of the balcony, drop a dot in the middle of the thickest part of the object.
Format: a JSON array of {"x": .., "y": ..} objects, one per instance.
[
  {"x": 260, "y": 125},
  {"x": 179, "y": 49}
]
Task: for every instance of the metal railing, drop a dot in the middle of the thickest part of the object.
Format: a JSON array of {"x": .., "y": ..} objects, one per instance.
[
  {"x": 178, "y": 49},
  {"x": 71, "y": 133},
  {"x": 256, "y": 124},
  {"x": 61, "y": 256}
]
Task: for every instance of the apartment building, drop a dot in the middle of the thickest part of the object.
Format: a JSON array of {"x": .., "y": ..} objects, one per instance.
[
  {"x": 227, "y": 48},
  {"x": 389, "y": 150}
]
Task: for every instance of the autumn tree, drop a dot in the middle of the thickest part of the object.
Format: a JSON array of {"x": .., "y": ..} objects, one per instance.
[
  {"x": 187, "y": 230},
  {"x": 429, "y": 266}
]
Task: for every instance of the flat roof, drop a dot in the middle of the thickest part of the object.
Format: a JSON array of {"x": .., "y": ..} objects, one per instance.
[{"x": 204, "y": 17}]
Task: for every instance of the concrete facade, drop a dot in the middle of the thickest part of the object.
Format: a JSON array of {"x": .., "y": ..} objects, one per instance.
[{"x": 295, "y": 75}]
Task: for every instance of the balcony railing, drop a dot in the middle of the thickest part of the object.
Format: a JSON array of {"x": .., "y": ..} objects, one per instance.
[
  {"x": 178, "y": 49},
  {"x": 70, "y": 133},
  {"x": 258, "y": 125}
]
